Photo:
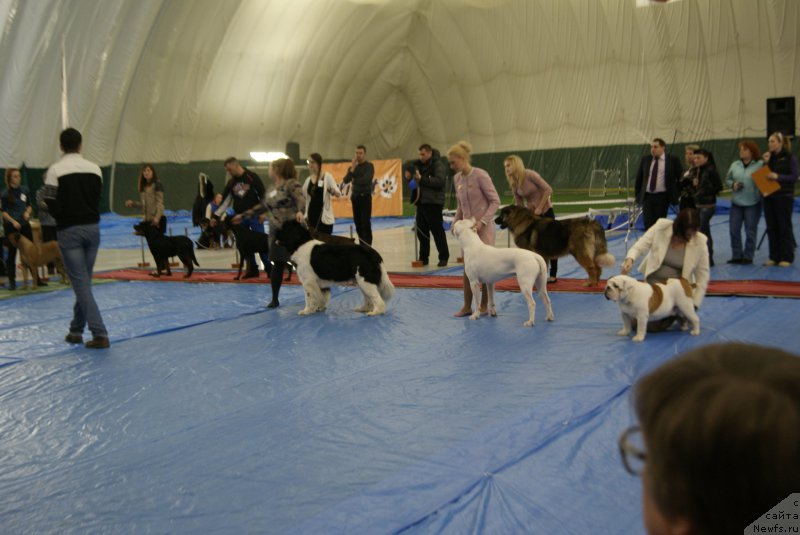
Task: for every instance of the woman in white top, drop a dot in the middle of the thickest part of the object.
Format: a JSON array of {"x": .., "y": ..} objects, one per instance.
[
  {"x": 317, "y": 190},
  {"x": 674, "y": 249}
]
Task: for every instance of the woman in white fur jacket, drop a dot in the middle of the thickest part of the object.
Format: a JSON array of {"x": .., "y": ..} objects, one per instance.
[
  {"x": 674, "y": 249},
  {"x": 318, "y": 190}
]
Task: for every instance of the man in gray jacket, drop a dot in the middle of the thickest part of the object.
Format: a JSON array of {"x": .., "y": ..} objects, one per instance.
[{"x": 430, "y": 176}]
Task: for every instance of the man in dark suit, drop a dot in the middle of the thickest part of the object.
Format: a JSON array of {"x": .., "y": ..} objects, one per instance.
[{"x": 657, "y": 182}]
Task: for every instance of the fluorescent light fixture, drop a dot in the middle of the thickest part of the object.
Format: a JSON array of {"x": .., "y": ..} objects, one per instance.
[
  {"x": 267, "y": 156},
  {"x": 649, "y": 3}
]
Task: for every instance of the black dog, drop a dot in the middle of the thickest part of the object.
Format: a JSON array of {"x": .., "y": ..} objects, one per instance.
[
  {"x": 248, "y": 243},
  {"x": 212, "y": 232},
  {"x": 163, "y": 247}
]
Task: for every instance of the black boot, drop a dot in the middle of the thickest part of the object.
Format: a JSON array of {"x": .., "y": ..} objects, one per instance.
[{"x": 275, "y": 280}]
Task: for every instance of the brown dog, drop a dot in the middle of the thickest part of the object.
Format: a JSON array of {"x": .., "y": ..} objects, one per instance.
[
  {"x": 582, "y": 237},
  {"x": 32, "y": 255}
]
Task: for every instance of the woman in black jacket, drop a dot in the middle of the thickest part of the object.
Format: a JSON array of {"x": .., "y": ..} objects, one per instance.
[
  {"x": 778, "y": 206},
  {"x": 707, "y": 185}
]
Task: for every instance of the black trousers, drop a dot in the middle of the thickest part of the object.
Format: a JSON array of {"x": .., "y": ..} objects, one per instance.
[
  {"x": 778, "y": 216},
  {"x": 654, "y": 207},
  {"x": 429, "y": 221},
  {"x": 362, "y": 213}
]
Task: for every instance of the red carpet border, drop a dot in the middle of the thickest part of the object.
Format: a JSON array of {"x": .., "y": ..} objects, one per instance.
[{"x": 744, "y": 288}]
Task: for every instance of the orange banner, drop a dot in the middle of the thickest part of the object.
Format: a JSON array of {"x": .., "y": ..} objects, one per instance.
[{"x": 387, "y": 188}]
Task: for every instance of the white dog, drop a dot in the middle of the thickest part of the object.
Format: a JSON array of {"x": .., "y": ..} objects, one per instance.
[
  {"x": 644, "y": 302},
  {"x": 486, "y": 264}
]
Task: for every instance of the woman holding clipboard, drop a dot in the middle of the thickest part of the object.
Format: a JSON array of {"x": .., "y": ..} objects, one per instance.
[{"x": 778, "y": 206}]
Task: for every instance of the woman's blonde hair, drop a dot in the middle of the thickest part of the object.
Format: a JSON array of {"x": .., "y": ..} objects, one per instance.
[
  {"x": 517, "y": 171},
  {"x": 462, "y": 150},
  {"x": 786, "y": 143}
]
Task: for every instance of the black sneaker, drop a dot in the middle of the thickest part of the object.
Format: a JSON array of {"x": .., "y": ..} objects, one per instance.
[
  {"x": 746, "y": 261},
  {"x": 12, "y": 285},
  {"x": 273, "y": 304},
  {"x": 442, "y": 263},
  {"x": 736, "y": 261}
]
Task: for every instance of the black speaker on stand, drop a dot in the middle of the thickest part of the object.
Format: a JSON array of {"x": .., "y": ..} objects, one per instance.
[
  {"x": 780, "y": 116},
  {"x": 293, "y": 151}
]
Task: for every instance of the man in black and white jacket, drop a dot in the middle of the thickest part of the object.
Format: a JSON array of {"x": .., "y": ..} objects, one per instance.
[{"x": 72, "y": 189}]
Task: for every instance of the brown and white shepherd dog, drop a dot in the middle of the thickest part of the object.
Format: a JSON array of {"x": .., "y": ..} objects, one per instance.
[{"x": 582, "y": 237}]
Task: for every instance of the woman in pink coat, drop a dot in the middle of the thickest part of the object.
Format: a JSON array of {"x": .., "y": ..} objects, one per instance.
[{"x": 477, "y": 198}]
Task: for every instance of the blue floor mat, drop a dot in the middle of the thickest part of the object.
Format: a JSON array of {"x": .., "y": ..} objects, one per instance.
[{"x": 212, "y": 414}]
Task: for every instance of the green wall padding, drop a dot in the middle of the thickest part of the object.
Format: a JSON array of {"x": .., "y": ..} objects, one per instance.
[
  {"x": 33, "y": 178},
  {"x": 567, "y": 170}
]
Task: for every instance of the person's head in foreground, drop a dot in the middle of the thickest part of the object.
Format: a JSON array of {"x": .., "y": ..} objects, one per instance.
[{"x": 718, "y": 440}]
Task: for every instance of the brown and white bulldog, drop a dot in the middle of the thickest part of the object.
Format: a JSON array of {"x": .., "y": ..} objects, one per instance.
[{"x": 645, "y": 302}]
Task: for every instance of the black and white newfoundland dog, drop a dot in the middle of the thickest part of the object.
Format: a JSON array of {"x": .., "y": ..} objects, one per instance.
[{"x": 320, "y": 265}]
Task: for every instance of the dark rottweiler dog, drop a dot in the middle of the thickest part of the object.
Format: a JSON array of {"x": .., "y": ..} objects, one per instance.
[
  {"x": 213, "y": 234},
  {"x": 163, "y": 247},
  {"x": 249, "y": 243}
]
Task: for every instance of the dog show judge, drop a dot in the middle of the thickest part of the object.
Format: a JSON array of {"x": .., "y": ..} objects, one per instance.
[
  {"x": 73, "y": 189},
  {"x": 657, "y": 182}
]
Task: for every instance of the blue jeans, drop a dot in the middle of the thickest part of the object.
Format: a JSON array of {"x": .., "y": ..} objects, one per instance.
[
  {"x": 749, "y": 215},
  {"x": 78, "y": 245},
  {"x": 705, "y": 227}
]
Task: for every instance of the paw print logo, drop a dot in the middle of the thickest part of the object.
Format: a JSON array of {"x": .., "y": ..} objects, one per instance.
[{"x": 387, "y": 186}]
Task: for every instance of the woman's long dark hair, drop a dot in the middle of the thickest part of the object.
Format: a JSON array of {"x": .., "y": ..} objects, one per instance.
[
  {"x": 142, "y": 180},
  {"x": 709, "y": 155},
  {"x": 688, "y": 219}
]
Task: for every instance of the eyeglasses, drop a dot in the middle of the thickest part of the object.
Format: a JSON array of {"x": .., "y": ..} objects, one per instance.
[{"x": 632, "y": 451}]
